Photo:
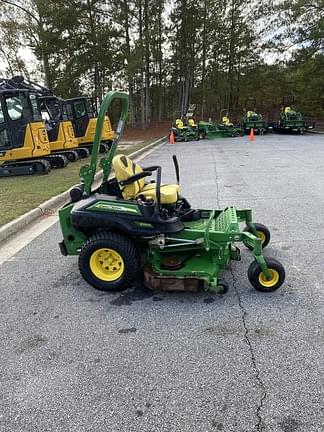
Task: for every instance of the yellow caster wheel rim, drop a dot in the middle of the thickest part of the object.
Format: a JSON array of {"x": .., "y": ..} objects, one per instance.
[
  {"x": 269, "y": 283},
  {"x": 107, "y": 264},
  {"x": 261, "y": 236}
]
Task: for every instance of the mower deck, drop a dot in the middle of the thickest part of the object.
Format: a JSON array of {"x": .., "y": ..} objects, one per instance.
[{"x": 200, "y": 251}]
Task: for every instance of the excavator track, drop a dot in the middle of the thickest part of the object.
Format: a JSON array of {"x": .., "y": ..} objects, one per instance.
[
  {"x": 104, "y": 147},
  {"x": 83, "y": 152},
  {"x": 57, "y": 160},
  {"x": 28, "y": 167},
  {"x": 72, "y": 155}
]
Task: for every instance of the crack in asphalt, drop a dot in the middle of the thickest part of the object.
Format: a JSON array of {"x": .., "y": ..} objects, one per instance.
[
  {"x": 258, "y": 425},
  {"x": 216, "y": 180},
  {"x": 261, "y": 385}
]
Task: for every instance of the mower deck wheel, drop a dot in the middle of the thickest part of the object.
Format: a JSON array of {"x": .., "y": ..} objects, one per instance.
[
  {"x": 222, "y": 287},
  {"x": 262, "y": 232},
  {"x": 109, "y": 261},
  {"x": 259, "y": 280}
]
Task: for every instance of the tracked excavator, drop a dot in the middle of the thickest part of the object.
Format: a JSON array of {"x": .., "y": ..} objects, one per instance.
[
  {"x": 59, "y": 128},
  {"x": 83, "y": 115},
  {"x": 75, "y": 119},
  {"x": 24, "y": 144}
]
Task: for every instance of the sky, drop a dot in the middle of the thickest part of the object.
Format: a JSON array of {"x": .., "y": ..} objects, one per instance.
[{"x": 25, "y": 53}]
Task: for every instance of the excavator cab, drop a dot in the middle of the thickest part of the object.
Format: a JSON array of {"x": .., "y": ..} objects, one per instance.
[
  {"x": 23, "y": 136},
  {"x": 60, "y": 134},
  {"x": 82, "y": 113},
  {"x": 60, "y": 129}
]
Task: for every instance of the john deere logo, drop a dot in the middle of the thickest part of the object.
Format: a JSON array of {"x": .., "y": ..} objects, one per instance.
[
  {"x": 118, "y": 208},
  {"x": 144, "y": 224}
]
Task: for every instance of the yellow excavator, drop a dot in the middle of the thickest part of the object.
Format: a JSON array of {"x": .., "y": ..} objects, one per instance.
[
  {"x": 70, "y": 123},
  {"x": 83, "y": 115},
  {"x": 24, "y": 143},
  {"x": 59, "y": 129}
]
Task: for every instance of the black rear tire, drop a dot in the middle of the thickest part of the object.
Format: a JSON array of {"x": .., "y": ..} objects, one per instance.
[{"x": 92, "y": 262}]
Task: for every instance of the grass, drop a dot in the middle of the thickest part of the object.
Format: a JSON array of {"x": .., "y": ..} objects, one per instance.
[{"x": 21, "y": 194}]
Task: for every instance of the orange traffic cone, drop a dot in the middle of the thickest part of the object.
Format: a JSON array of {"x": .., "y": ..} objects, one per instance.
[
  {"x": 251, "y": 135},
  {"x": 171, "y": 137}
]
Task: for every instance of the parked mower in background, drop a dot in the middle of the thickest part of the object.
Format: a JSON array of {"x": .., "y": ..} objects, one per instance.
[
  {"x": 130, "y": 225},
  {"x": 225, "y": 129},
  {"x": 211, "y": 130},
  {"x": 227, "y": 125},
  {"x": 290, "y": 119},
  {"x": 184, "y": 131},
  {"x": 253, "y": 119}
]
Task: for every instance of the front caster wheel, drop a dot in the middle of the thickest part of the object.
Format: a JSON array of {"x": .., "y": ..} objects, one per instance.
[
  {"x": 109, "y": 261},
  {"x": 262, "y": 232},
  {"x": 222, "y": 287},
  {"x": 258, "y": 279}
]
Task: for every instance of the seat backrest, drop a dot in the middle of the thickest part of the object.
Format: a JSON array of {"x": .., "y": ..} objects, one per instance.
[
  {"x": 179, "y": 124},
  {"x": 226, "y": 121},
  {"x": 191, "y": 122},
  {"x": 251, "y": 114},
  {"x": 125, "y": 168}
]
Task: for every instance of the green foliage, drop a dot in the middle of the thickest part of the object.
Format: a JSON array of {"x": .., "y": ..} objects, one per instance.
[{"x": 168, "y": 54}]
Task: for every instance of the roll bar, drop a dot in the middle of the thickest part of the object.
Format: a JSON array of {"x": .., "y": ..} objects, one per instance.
[{"x": 87, "y": 172}]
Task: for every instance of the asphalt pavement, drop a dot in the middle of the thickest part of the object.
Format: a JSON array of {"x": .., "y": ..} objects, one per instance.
[{"x": 76, "y": 359}]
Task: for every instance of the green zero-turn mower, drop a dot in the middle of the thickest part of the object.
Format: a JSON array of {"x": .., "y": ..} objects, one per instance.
[
  {"x": 210, "y": 130},
  {"x": 129, "y": 225},
  {"x": 227, "y": 125},
  {"x": 290, "y": 119},
  {"x": 253, "y": 119},
  {"x": 225, "y": 129},
  {"x": 184, "y": 130}
]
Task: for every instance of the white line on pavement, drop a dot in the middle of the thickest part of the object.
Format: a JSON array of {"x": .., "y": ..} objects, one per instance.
[{"x": 15, "y": 243}]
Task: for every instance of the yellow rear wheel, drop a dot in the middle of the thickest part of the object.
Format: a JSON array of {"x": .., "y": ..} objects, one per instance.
[
  {"x": 109, "y": 261},
  {"x": 107, "y": 264}
]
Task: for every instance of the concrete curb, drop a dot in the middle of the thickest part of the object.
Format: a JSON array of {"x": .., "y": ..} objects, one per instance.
[
  {"x": 50, "y": 206},
  {"x": 315, "y": 132}
]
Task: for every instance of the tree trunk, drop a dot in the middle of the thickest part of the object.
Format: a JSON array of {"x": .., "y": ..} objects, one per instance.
[
  {"x": 160, "y": 57},
  {"x": 47, "y": 72},
  {"x": 203, "y": 71},
  {"x": 129, "y": 77},
  {"x": 231, "y": 58},
  {"x": 147, "y": 64},
  {"x": 98, "y": 93},
  {"x": 142, "y": 86}
]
